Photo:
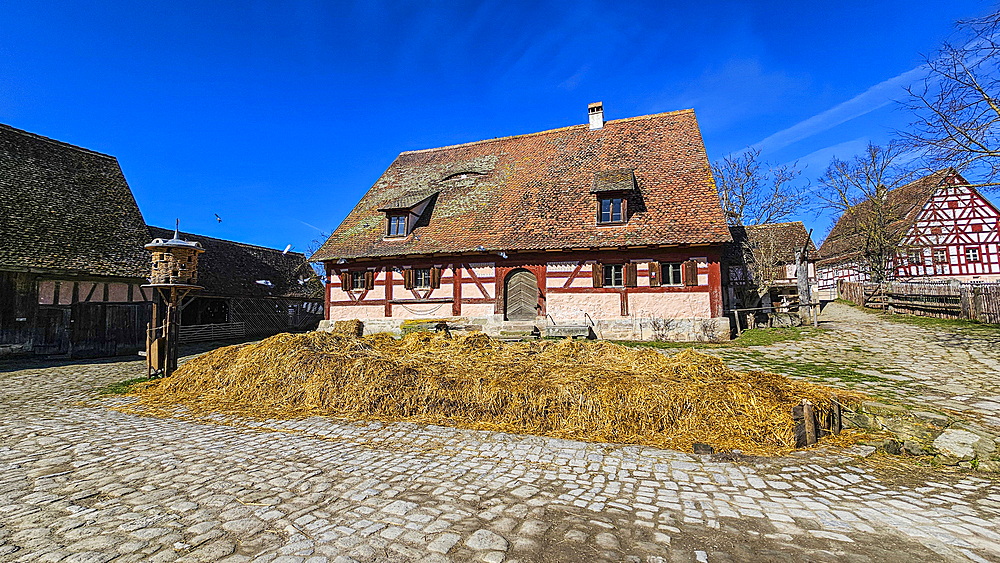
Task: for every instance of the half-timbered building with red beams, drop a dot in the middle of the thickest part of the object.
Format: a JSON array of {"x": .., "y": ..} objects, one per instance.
[
  {"x": 615, "y": 226},
  {"x": 947, "y": 230}
]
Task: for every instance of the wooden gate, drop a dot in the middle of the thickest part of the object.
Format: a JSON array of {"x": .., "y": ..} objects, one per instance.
[
  {"x": 521, "y": 296},
  {"x": 106, "y": 329}
]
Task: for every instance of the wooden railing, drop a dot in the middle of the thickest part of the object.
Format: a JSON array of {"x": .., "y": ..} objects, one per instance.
[
  {"x": 221, "y": 331},
  {"x": 971, "y": 301}
]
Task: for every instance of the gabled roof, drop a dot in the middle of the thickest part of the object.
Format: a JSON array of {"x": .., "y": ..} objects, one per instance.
[
  {"x": 232, "y": 269},
  {"x": 66, "y": 209},
  {"x": 903, "y": 205},
  {"x": 533, "y": 192},
  {"x": 787, "y": 238}
]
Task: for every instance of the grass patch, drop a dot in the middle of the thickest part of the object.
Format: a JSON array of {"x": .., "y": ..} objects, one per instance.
[
  {"x": 755, "y": 337},
  {"x": 122, "y": 387},
  {"x": 932, "y": 323}
]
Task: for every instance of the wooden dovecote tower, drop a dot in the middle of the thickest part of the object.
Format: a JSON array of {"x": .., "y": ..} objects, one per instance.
[{"x": 174, "y": 274}]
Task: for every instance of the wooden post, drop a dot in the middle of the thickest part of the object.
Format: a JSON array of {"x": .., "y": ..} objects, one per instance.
[
  {"x": 149, "y": 337},
  {"x": 835, "y": 414},
  {"x": 809, "y": 418},
  {"x": 739, "y": 331}
]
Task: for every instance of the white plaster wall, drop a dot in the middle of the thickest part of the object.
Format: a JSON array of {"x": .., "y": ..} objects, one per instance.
[
  {"x": 566, "y": 306},
  {"x": 421, "y": 311},
  {"x": 362, "y": 312},
  {"x": 670, "y": 305},
  {"x": 476, "y": 310},
  {"x": 471, "y": 290}
]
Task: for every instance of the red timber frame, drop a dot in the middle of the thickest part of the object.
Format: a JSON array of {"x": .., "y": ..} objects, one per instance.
[
  {"x": 458, "y": 269},
  {"x": 955, "y": 218}
]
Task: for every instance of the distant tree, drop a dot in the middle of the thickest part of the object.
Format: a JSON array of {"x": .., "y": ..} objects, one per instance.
[
  {"x": 754, "y": 192},
  {"x": 957, "y": 107},
  {"x": 760, "y": 268},
  {"x": 857, "y": 190}
]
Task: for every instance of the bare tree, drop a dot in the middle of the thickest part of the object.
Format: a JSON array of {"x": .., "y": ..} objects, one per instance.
[
  {"x": 311, "y": 248},
  {"x": 858, "y": 191},
  {"x": 957, "y": 108},
  {"x": 761, "y": 264},
  {"x": 754, "y": 192}
]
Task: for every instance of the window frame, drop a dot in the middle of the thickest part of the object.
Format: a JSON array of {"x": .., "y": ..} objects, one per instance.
[
  {"x": 968, "y": 255},
  {"x": 622, "y": 211},
  {"x": 666, "y": 269},
  {"x": 419, "y": 273},
  {"x": 915, "y": 257},
  {"x": 940, "y": 251},
  {"x": 609, "y": 274},
  {"x": 358, "y": 276},
  {"x": 396, "y": 220}
]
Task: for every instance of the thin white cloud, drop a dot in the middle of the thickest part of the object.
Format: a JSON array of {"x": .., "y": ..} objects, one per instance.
[{"x": 870, "y": 100}]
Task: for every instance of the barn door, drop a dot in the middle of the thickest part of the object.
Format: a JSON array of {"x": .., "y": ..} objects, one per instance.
[
  {"x": 52, "y": 336},
  {"x": 521, "y": 296}
]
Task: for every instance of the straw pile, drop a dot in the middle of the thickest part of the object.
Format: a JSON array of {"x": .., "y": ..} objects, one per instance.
[{"x": 593, "y": 391}]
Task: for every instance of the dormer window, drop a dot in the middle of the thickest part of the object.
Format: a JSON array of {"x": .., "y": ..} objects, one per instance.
[
  {"x": 612, "y": 210},
  {"x": 612, "y": 188},
  {"x": 397, "y": 226},
  {"x": 405, "y": 214}
]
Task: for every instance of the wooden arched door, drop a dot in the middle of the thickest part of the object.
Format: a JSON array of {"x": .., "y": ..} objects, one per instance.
[{"x": 520, "y": 296}]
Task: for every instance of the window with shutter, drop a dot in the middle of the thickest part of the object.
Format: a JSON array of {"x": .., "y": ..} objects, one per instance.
[
  {"x": 598, "y": 271},
  {"x": 421, "y": 278},
  {"x": 358, "y": 280},
  {"x": 690, "y": 269},
  {"x": 614, "y": 275},
  {"x": 671, "y": 273}
]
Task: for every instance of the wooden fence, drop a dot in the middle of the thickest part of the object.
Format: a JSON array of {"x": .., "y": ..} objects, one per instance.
[{"x": 972, "y": 301}]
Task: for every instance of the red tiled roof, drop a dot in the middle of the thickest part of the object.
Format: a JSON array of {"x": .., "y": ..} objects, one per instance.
[
  {"x": 903, "y": 205},
  {"x": 532, "y": 192}
]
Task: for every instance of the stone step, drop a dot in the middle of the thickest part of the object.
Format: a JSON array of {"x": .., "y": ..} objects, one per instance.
[{"x": 570, "y": 331}]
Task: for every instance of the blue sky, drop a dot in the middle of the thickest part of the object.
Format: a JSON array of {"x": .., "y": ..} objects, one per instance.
[{"x": 278, "y": 116}]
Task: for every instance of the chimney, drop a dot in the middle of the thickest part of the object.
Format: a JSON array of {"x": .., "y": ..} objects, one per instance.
[{"x": 596, "y": 111}]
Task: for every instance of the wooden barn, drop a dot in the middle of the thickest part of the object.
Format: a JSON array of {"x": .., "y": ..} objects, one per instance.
[
  {"x": 612, "y": 227},
  {"x": 72, "y": 263},
  {"x": 775, "y": 245},
  {"x": 947, "y": 231},
  {"x": 249, "y": 291},
  {"x": 71, "y": 256}
]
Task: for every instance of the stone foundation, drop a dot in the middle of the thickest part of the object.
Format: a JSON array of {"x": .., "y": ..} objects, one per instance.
[{"x": 674, "y": 330}]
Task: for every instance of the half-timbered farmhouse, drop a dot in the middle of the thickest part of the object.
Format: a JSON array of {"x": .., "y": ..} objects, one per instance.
[
  {"x": 947, "y": 230},
  {"x": 615, "y": 226}
]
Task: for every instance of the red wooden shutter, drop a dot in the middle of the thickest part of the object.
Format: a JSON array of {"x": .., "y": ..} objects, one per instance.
[
  {"x": 435, "y": 277},
  {"x": 369, "y": 280},
  {"x": 655, "y": 273},
  {"x": 631, "y": 275},
  {"x": 345, "y": 280},
  {"x": 690, "y": 269},
  {"x": 598, "y": 275}
]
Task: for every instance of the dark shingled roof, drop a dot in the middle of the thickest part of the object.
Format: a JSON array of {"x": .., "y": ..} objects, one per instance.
[
  {"x": 67, "y": 209},
  {"x": 903, "y": 204},
  {"x": 232, "y": 269},
  {"x": 788, "y": 236},
  {"x": 614, "y": 181},
  {"x": 532, "y": 192}
]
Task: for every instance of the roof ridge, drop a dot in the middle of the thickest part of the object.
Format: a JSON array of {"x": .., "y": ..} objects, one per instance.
[
  {"x": 546, "y": 132},
  {"x": 38, "y": 137},
  {"x": 248, "y": 245}
]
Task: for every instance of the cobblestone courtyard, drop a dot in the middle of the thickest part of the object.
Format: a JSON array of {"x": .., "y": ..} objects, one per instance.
[{"x": 82, "y": 483}]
